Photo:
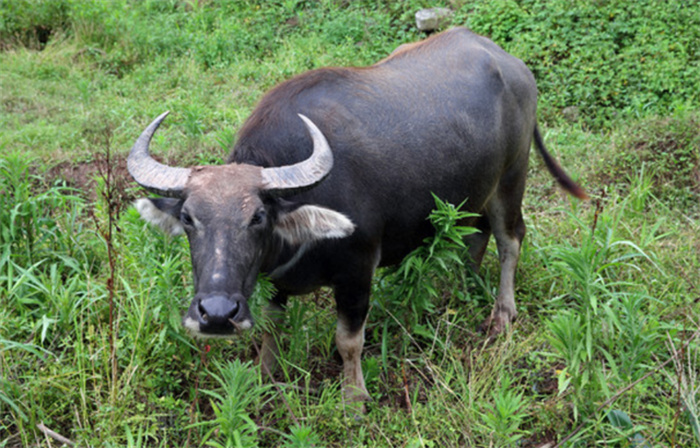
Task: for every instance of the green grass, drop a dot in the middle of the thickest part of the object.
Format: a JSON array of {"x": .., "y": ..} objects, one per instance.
[{"x": 607, "y": 289}]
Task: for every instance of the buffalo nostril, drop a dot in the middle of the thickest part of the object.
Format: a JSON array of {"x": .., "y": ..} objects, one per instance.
[
  {"x": 217, "y": 310},
  {"x": 202, "y": 312},
  {"x": 233, "y": 311}
]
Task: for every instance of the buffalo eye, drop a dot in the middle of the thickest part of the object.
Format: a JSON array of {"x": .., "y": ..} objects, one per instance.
[
  {"x": 258, "y": 218},
  {"x": 186, "y": 219}
]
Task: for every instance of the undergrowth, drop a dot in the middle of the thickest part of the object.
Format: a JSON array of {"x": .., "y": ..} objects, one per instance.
[{"x": 609, "y": 60}]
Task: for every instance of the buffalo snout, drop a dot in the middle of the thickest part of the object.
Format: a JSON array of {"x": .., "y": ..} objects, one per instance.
[
  {"x": 216, "y": 310},
  {"x": 218, "y": 314}
]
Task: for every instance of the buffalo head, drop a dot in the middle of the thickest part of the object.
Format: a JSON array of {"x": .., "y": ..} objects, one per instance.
[{"x": 234, "y": 216}]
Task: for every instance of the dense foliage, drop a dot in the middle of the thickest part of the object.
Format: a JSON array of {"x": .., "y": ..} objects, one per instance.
[
  {"x": 607, "y": 58},
  {"x": 605, "y": 349}
]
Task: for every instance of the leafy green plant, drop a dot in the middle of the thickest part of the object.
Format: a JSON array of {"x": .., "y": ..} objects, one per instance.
[
  {"x": 28, "y": 231},
  {"x": 620, "y": 420},
  {"x": 45, "y": 253},
  {"x": 504, "y": 417},
  {"x": 241, "y": 389},
  {"x": 420, "y": 284},
  {"x": 302, "y": 436},
  {"x": 9, "y": 390},
  {"x": 418, "y": 280},
  {"x": 606, "y": 338}
]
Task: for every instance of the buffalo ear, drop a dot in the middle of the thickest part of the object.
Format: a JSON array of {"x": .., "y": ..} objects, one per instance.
[
  {"x": 161, "y": 212},
  {"x": 310, "y": 223}
]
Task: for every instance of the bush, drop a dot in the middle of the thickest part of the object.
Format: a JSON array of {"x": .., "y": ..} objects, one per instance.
[
  {"x": 32, "y": 24},
  {"x": 609, "y": 59}
]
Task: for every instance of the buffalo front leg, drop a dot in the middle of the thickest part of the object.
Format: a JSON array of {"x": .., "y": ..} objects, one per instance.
[
  {"x": 273, "y": 315},
  {"x": 350, "y": 343},
  {"x": 353, "y": 306}
]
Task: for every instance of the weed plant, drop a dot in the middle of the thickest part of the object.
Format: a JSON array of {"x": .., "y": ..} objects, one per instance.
[
  {"x": 604, "y": 351},
  {"x": 602, "y": 323}
]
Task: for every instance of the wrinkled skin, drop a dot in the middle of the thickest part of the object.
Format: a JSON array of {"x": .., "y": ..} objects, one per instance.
[{"x": 453, "y": 115}]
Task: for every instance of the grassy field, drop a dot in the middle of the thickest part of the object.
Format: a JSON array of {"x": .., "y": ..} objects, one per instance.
[{"x": 605, "y": 350}]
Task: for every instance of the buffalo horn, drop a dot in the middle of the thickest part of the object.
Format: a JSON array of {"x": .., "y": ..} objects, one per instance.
[
  {"x": 305, "y": 174},
  {"x": 151, "y": 174}
]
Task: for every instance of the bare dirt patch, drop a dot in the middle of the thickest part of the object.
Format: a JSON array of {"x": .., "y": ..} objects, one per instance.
[{"x": 83, "y": 176}]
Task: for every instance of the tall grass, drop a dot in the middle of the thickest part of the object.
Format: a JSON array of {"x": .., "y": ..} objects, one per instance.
[{"x": 434, "y": 379}]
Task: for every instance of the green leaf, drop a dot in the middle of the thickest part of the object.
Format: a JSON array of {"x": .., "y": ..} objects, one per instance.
[
  {"x": 563, "y": 380},
  {"x": 620, "y": 419}
]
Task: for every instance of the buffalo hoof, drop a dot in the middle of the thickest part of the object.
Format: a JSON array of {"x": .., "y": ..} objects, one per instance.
[
  {"x": 495, "y": 324},
  {"x": 352, "y": 394},
  {"x": 354, "y": 401},
  {"x": 355, "y": 410}
]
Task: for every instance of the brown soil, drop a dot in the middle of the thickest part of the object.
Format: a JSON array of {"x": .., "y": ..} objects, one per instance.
[{"x": 83, "y": 176}]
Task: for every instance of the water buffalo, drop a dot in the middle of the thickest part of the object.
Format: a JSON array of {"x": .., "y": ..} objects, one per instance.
[{"x": 331, "y": 177}]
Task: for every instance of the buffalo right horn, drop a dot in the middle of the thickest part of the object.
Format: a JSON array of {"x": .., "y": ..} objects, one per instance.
[
  {"x": 151, "y": 174},
  {"x": 305, "y": 174}
]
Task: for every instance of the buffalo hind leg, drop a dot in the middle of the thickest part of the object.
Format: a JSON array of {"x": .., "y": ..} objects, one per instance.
[
  {"x": 478, "y": 242},
  {"x": 509, "y": 230}
]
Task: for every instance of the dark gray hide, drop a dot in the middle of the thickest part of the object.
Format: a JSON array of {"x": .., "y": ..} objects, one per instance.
[{"x": 454, "y": 115}]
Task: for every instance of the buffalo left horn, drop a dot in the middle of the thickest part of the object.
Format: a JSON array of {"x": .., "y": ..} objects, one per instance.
[
  {"x": 151, "y": 174},
  {"x": 292, "y": 178}
]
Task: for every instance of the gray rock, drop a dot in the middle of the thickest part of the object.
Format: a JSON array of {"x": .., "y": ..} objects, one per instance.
[{"x": 433, "y": 18}]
